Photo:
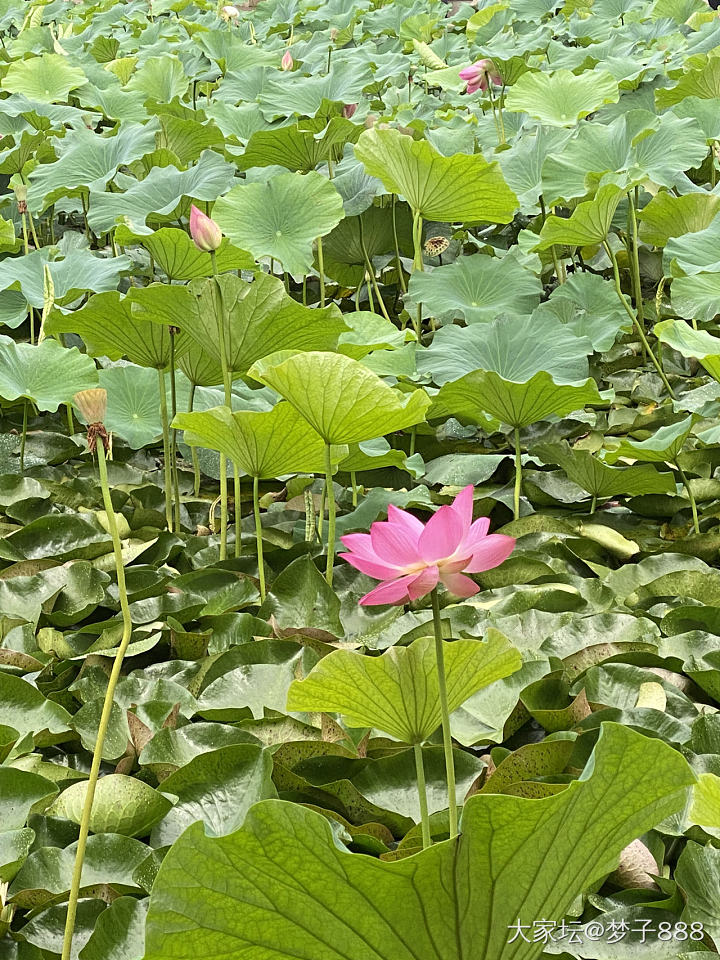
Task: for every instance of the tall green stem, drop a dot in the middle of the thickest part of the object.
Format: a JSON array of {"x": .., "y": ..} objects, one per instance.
[
  {"x": 106, "y": 710},
  {"x": 518, "y": 475},
  {"x": 238, "y": 509},
  {"x": 371, "y": 270},
  {"x": 422, "y": 795},
  {"x": 166, "y": 448},
  {"x": 222, "y": 348},
  {"x": 633, "y": 316},
  {"x": 173, "y": 435},
  {"x": 447, "y": 737},
  {"x": 321, "y": 270},
  {"x": 691, "y": 496},
  {"x": 331, "y": 516},
  {"x": 258, "y": 535},
  {"x": 401, "y": 274},
  {"x": 193, "y": 450},
  {"x": 637, "y": 287},
  {"x": 23, "y": 438}
]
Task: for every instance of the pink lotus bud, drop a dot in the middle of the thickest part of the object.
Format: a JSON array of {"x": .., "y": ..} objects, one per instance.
[
  {"x": 480, "y": 75},
  {"x": 229, "y": 12},
  {"x": 349, "y": 109},
  {"x": 287, "y": 61},
  {"x": 206, "y": 234}
]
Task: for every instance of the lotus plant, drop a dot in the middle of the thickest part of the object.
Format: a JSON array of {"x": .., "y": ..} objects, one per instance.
[
  {"x": 484, "y": 75},
  {"x": 92, "y": 404},
  {"x": 412, "y": 559}
]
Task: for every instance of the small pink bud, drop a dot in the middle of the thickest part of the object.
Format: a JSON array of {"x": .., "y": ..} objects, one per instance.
[
  {"x": 348, "y": 110},
  {"x": 480, "y": 75},
  {"x": 206, "y": 234},
  {"x": 287, "y": 61}
]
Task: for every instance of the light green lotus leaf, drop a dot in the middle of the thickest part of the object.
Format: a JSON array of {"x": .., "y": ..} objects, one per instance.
[
  {"x": 343, "y": 400},
  {"x": 264, "y": 445},
  {"x": 122, "y": 805},
  {"x": 160, "y": 193},
  {"x": 562, "y": 98},
  {"x": 693, "y": 253},
  {"x": 461, "y": 187},
  {"x": 476, "y": 289},
  {"x": 301, "y": 147},
  {"x": 662, "y": 447},
  {"x": 588, "y": 305},
  {"x": 668, "y": 216},
  {"x": 691, "y": 343},
  {"x": 699, "y": 81},
  {"x": 72, "y": 276},
  {"x": 283, "y": 887},
  {"x": 588, "y": 224},
  {"x": 161, "y": 78},
  {"x": 48, "y": 78},
  {"x": 179, "y": 259},
  {"x": 601, "y": 480},
  {"x": 398, "y": 692},
  {"x": 46, "y": 373},
  {"x": 281, "y": 217},
  {"x": 484, "y": 392}
]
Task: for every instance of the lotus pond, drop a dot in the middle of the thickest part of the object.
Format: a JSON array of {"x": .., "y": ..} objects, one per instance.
[{"x": 359, "y": 491}]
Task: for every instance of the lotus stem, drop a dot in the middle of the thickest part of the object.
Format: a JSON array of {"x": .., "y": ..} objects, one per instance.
[
  {"x": 258, "y": 535},
  {"x": 447, "y": 736},
  {"x": 371, "y": 271},
  {"x": 593, "y": 504},
  {"x": 353, "y": 481},
  {"x": 422, "y": 795},
  {"x": 173, "y": 434},
  {"x": 309, "y": 515},
  {"x": 518, "y": 475},
  {"x": 106, "y": 710},
  {"x": 635, "y": 260},
  {"x": 220, "y": 318},
  {"x": 417, "y": 241},
  {"x": 193, "y": 450},
  {"x": 23, "y": 437},
  {"x": 633, "y": 316},
  {"x": 401, "y": 275},
  {"x": 691, "y": 496},
  {"x": 331, "y": 516},
  {"x": 321, "y": 270},
  {"x": 166, "y": 448}
]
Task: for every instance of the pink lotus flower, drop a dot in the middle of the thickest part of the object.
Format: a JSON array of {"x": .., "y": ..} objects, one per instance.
[
  {"x": 287, "y": 61},
  {"x": 480, "y": 75},
  {"x": 349, "y": 109},
  {"x": 206, "y": 234},
  {"x": 411, "y": 557}
]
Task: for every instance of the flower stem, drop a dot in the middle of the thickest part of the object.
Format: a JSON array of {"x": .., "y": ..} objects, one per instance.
[
  {"x": 173, "y": 436},
  {"x": 24, "y": 436},
  {"x": 166, "y": 448},
  {"x": 447, "y": 737},
  {"x": 518, "y": 475},
  {"x": 258, "y": 535},
  {"x": 106, "y": 710},
  {"x": 633, "y": 316},
  {"x": 193, "y": 450},
  {"x": 331, "y": 516},
  {"x": 691, "y": 496},
  {"x": 222, "y": 348},
  {"x": 422, "y": 796},
  {"x": 401, "y": 275},
  {"x": 321, "y": 270},
  {"x": 238, "y": 509}
]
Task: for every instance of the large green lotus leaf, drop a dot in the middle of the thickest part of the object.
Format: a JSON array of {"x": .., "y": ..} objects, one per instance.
[
  {"x": 343, "y": 400},
  {"x": 289, "y": 891},
  {"x": 698, "y": 876},
  {"x": 301, "y": 597},
  {"x": 519, "y": 404},
  {"x": 87, "y": 160},
  {"x": 475, "y": 289},
  {"x": 562, "y": 98},
  {"x": 700, "y": 81},
  {"x": 46, "y": 373},
  {"x": 588, "y": 306},
  {"x": 48, "y": 78},
  {"x": 133, "y": 404},
  {"x": 218, "y": 789},
  {"x": 304, "y": 96},
  {"x": 264, "y": 445},
  {"x": 19, "y": 792},
  {"x": 697, "y": 297},
  {"x": 177, "y": 256},
  {"x": 344, "y": 258},
  {"x": 159, "y": 193},
  {"x": 79, "y": 271},
  {"x": 668, "y": 216},
  {"x": 461, "y": 187},
  {"x": 119, "y": 932},
  {"x": 662, "y": 447},
  {"x": 589, "y": 223},
  {"x": 632, "y": 148},
  {"x": 47, "y": 872},
  {"x": 13, "y": 308},
  {"x": 14, "y": 848},
  {"x": 398, "y": 692},
  {"x": 691, "y": 343},
  {"x": 26, "y": 709},
  {"x": 694, "y": 253},
  {"x": 514, "y": 347},
  {"x": 260, "y": 318},
  {"x": 170, "y": 749},
  {"x": 281, "y": 217},
  {"x": 161, "y": 78},
  {"x": 252, "y": 687},
  {"x": 300, "y": 150},
  {"x": 122, "y": 805},
  {"x": 600, "y": 479},
  {"x": 110, "y": 328}
]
